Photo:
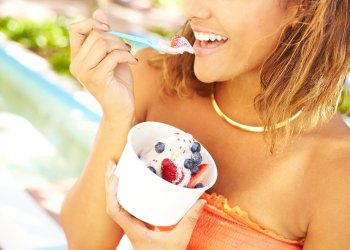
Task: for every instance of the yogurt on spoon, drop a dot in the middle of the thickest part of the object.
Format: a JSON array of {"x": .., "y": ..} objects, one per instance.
[{"x": 177, "y": 45}]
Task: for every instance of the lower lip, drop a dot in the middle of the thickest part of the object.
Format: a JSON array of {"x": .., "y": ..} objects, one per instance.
[{"x": 207, "y": 50}]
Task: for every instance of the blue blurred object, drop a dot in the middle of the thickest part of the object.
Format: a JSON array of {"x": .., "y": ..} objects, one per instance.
[
  {"x": 140, "y": 41},
  {"x": 347, "y": 80}
]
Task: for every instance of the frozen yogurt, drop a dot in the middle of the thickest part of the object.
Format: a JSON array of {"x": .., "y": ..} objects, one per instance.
[{"x": 177, "y": 159}]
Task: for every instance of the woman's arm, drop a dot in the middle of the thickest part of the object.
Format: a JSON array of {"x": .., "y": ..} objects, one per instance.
[
  {"x": 83, "y": 215},
  {"x": 100, "y": 62}
]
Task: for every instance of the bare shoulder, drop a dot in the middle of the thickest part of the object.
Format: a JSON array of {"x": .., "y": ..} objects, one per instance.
[
  {"x": 147, "y": 79},
  {"x": 331, "y": 142},
  {"x": 331, "y": 153},
  {"x": 328, "y": 188}
]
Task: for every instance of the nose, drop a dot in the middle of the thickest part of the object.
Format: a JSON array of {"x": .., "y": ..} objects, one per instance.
[{"x": 196, "y": 9}]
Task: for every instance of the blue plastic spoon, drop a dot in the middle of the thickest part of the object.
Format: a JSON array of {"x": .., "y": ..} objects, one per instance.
[{"x": 162, "y": 46}]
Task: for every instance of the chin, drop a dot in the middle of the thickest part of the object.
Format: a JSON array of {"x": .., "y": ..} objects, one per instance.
[
  {"x": 205, "y": 76},
  {"x": 209, "y": 75}
]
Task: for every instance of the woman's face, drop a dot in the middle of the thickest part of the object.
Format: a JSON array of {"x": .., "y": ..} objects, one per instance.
[{"x": 245, "y": 32}]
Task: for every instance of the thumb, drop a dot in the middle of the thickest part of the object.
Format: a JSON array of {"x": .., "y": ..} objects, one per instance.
[
  {"x": 188, "y": 222},
  {"x": 100, "y": 16}
]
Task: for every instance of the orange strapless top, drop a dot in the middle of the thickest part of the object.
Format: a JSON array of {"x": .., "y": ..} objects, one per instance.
[{"x": 223, "y": 227}]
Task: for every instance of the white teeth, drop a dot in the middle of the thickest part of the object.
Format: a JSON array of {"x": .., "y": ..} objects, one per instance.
[
  {"x": 208, "y": 36},
  {"x": 200, "y": 36},
  {"x": 212, "y": 37}
]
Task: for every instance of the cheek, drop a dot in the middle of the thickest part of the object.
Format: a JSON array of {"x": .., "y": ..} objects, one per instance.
[
  {"x": 260, "y": 46},
  {"x": 259, "y": 37}
]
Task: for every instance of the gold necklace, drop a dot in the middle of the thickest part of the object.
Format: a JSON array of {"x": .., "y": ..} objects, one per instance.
[{"x": 256, "y": 129}]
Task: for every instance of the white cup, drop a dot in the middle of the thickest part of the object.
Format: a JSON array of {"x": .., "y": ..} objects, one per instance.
[{"x": 144, "y": 194}]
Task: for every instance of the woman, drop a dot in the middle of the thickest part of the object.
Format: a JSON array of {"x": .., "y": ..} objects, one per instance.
[{"x": 277, "y": 67}]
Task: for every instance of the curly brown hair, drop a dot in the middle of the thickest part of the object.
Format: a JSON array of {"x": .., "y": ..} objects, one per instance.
[{"x": 306, "y": 70}]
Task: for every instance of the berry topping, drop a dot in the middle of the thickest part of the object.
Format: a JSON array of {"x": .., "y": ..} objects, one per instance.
[
  {"x": 195, "y": 169},
  {"x": 189, "y": 163},
  {"x": 196, "y": 147},
  {"x": 169, "y": 172},
  {"x": 175, "y": 41},
  {"x": 152, "y": 169},
  {"x": 198, "y": 185},
  {"x": 198, "y": 177},
  {"x": 197, "y": 157},
  {"x": 178, "y": 41},
  {"x": 181, "y": 179},
  {"x": 159, "y": 147}
]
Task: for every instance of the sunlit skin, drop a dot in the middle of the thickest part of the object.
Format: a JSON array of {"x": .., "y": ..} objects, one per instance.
[
  {"x": 288, "y": 193},
  {"x": 253, "y": 29}
]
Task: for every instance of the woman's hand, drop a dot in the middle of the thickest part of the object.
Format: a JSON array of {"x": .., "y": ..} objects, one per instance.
[
  {"x": 100, "y": 62},
  {"x": 140, "y": 236}
]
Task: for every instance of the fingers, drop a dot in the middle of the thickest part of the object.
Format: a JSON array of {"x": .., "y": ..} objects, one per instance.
[
  {"x": 113, "y": 59},
  {"x": 100, "y": 16},
  {"x": 107, "y": 43},
  {"x": 95, "y": 48},
  {"x": 111, "y": 183},
  {"x": 188, "y": 222},
  {"x": 128, "y": 223},
  {"x": 111, "y": 186},
  {"x": 79, "y": 31}
]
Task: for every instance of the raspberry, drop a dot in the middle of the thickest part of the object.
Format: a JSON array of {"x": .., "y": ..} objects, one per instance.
[{"x": 169, "y": 172}]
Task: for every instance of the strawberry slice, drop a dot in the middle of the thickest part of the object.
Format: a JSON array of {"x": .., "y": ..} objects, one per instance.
[
  {"x": 177, "y": 41},
  {"x": 198, "y": 177}
]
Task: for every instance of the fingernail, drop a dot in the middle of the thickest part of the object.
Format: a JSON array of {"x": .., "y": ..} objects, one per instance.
[
  {"x": 105, "y": 27},
  {"x": 101, "y": 26}
]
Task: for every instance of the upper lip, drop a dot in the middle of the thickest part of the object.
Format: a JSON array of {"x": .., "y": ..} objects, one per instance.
[{"x": 197, "y": 29}]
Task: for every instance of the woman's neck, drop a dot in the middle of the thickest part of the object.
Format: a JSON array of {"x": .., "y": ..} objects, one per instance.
[{"x": 236, "y": 98}]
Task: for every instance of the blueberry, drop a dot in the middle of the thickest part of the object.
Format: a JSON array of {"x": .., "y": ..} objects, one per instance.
[
  {"x": 159, "y": 147},
  {"x": 189, "y": 163},
  {"x": 195, "y": 169},
  {"x": 197, "y": 157},
  {"x": 196, "y": 147},
  {"x": 198, "y": 185},
  {"x": 152, "y": 169}
]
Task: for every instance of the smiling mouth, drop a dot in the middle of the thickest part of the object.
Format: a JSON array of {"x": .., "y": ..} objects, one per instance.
[{"x": 208, "y": 43}]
